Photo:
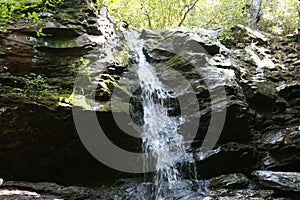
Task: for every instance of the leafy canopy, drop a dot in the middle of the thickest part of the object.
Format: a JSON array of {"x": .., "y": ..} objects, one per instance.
[{"x": 279, "y": 16}]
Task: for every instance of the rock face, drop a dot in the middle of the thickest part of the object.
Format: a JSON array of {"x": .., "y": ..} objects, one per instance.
[
  {"x": 39, "y": 140},
  {"x": 262, "y": 117},
  {"x": 38, "y": 137},
  {"x": 287, "y": 181}
]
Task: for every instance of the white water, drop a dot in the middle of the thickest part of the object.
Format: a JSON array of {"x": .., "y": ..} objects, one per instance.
[{"x": 160, "y": 131}]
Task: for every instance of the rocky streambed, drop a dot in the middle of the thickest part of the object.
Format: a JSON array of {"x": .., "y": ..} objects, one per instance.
[
  {"x": 269, "y": 185},
  {"x": 257, "y": 154}
]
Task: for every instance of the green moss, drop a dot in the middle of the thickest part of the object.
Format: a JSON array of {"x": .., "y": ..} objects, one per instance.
[
  {"x": 55, "y": 43},
  {"x": 33, "y": 88},
  {"x": 67, "y": 18},
  {"x": 17, "y": 95},
  {"x": 178, "y": 63},
  {"x": 119, "y": 106},
  {"x": 85, "y": 102},
  {"x": 267, "y": 88}
]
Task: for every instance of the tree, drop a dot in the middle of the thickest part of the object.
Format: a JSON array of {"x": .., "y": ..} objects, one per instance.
[
  {"x": 153, "y": 14},
  {"x": 254, "y": 13}
]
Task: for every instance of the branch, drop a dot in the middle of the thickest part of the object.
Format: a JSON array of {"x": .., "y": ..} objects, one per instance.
[
  {"x": 189, "y": 8},
  {"x": 148, "y": 16}
]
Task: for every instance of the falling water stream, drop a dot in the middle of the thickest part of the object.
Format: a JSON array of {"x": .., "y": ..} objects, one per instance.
[{"x": 159, "y": 131}]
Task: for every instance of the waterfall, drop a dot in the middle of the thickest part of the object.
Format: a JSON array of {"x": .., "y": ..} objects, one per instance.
[
  {"x": 159, "y": 131},
  {"x": 151, "y": 106},
  {"x": 166, "y": 152}
]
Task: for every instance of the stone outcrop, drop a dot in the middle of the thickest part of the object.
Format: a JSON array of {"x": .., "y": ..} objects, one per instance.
[
  {"x": 230, "y": 181},
  {"x": 286, "y": 181},
  {"x": 262, "y": 118},
  {"x": 38, "y": 137}
]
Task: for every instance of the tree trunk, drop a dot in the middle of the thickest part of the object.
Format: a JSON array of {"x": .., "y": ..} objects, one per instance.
[{"x": 254, "y": 13}]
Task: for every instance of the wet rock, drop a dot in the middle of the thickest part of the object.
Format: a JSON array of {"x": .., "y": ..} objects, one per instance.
[
  {"x": 202, "y": 41},
  {"x": 241, "y": 194},
  {"x": 93, "y": 30},
  {"x": 45, "y": 190},
  {"x": 53, "y": 57},
  {"x": 234, "y": 157},
  {"x": 184, "y": 53},
  {"x": 18, "y": 51},
  {"x": 56, "y": 147},
  {"x": 230, "y": 181},
  {"x": 240, "y": 34},
  {"x": 291, "y": 93},
  {"x": 129, "y": 189},
  {"x": 281, "y": 138},
  {"x": 280, "y": 149},
  {"x": 286, "y": 181},
  {"x": 258, "y": 92},
  {"x": 293, "y": 37},
  {"x": 38, "y": 127},
  {"x": 54, "y": 29}
]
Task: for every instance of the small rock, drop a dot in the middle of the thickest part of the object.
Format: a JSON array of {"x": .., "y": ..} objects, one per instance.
[
  {"x": 1, "y": 181},
  {"x": 207, "y": 198},
  {"x": 286, "y": 181},
  {"x": 93, "y": 30},
  {"x": 281, "y": 138},
  {"x": 232, "y": 181}
]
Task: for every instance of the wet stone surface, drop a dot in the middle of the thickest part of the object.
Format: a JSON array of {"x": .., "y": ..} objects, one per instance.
[
  {"x": 286, "y": 181},
  {"x": 132, "y": 189}
]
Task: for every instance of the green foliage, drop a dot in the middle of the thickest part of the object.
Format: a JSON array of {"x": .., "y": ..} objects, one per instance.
[
  {"x": 279, "y": 16},
  {"x": 157, "y": 14},
  {"x": 12, "y": 10},
  {"x": 99, "y": 4},
  {"x": 51, "y": 3},
  {"x": 154, "y": 14},
  {"x": 34, "y": 16},
  {"x": 35, "y": 85},
  {"x": 81, "y": 64},
  {"x": 235, "y": 37},
  {"x": 226, "y": 37},
  {"x": 40, "y": 33}
]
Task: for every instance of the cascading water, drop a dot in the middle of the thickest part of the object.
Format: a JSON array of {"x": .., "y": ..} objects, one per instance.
[
  {"x": 165, "y": 149},
  {"x": 159, "y": 131}
]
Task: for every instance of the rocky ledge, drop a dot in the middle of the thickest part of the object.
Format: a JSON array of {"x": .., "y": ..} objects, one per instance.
[{"x": 270, "y": 185}]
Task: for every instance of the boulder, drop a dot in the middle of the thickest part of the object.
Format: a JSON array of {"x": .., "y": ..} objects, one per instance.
[
  {"x": 285, "y": 181},
  {"x": 230, "y": 181},
  {"x": 280, "y": 149},
  {"x": 234, "y": 157}
]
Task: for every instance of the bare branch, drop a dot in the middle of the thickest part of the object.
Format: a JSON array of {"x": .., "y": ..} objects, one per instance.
[{"x": 189, "y": 8}]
